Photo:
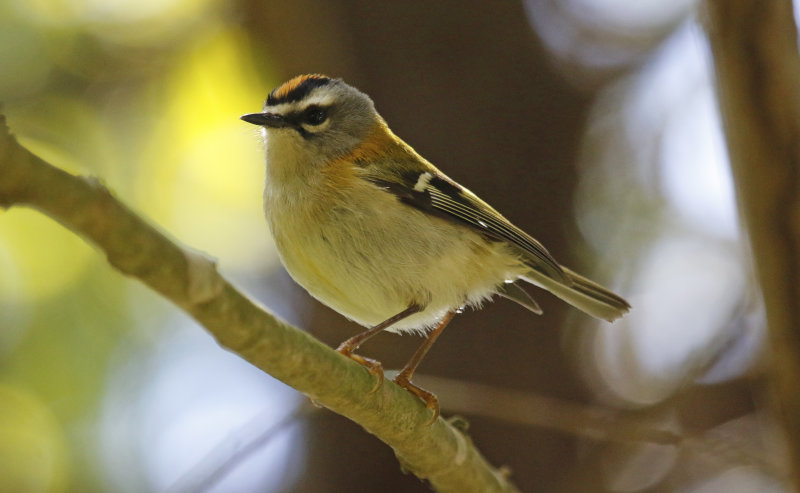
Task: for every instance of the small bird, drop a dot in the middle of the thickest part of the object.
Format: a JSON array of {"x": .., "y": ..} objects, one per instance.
[{"x": 371, "y": 229}]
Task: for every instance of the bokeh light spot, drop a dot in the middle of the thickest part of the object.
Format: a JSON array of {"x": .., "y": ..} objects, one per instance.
[
  {"x": 48, "y": 257},
  {"x": 33, "y": 453}
]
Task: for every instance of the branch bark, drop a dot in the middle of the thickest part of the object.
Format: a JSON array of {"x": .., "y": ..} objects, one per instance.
[
  {"x": 439, "y": 453},
  {"x": 755, "y": 52}
]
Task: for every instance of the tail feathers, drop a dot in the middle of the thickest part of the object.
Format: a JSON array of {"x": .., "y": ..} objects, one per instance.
[{"x": 584, "y": 294}]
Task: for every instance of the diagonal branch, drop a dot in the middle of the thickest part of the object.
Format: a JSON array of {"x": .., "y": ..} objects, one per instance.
[{"x": 439, "y": 453}]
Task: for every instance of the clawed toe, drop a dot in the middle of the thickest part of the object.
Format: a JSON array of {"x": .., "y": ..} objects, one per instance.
[
  {"x": 430, "y": 400},
  {"x": 374, "y": 367}
]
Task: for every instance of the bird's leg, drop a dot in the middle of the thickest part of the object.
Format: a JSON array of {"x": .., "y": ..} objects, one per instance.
[
  {"x": 373, "y": 366},
  {"x": 403, "y": 378}
]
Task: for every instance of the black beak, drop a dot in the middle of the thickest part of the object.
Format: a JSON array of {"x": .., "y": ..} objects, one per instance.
[{"x": 266, "y": 120}]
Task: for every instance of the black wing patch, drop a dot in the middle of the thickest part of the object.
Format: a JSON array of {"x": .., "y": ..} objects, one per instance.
[{"x": 442, "y": 197}]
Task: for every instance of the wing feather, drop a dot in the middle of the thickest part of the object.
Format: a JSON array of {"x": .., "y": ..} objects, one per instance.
[{"x": 436, "y": 194}]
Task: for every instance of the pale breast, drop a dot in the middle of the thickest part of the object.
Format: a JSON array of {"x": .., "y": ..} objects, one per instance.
[{"x": 372, "y": 257}]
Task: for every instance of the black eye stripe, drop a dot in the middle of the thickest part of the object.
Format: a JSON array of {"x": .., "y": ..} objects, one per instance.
[
  {"x": 299, "y": 118},
  {"x": 313, "y": 115}
]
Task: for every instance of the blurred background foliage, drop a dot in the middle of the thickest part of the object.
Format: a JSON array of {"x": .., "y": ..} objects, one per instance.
[{"x": 590, "y": 123}]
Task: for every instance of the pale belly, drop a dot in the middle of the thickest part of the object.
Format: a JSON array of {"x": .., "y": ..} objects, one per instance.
[{"x": 370, "y": 263}]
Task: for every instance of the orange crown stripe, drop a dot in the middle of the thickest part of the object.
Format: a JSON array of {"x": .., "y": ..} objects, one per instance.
[{"x": 296, "y": 88}]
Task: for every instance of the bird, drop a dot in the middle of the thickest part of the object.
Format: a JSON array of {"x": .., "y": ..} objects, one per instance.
[{"x": 376, "y": 232}]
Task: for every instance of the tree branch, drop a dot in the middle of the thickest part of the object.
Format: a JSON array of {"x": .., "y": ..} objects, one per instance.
[
  {"x": 758, "y": 75},
  {"x": 439, "y": 453}
]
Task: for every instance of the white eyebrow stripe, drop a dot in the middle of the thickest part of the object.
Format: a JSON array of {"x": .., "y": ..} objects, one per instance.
[
  {"x": 317, "y": 99},
  {"x": 281, "y": 109},
  {"x": 299, "y": 106}
]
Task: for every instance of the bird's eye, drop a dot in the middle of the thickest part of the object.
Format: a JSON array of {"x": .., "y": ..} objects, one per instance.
[{"x": 315, "y": 115}]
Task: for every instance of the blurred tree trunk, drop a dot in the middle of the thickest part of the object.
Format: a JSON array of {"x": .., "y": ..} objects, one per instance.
[{"x": 755, "y": 51}]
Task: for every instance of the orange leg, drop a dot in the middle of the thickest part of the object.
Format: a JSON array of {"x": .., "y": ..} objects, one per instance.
[
  {"x": 403, "y": 378},
  {"x": 373, "y": 366}
]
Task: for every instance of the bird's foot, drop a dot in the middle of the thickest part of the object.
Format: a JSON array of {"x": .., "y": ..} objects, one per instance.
[
  {"x": 374, "y": 367},
  {"x": 430, "y": 400}
]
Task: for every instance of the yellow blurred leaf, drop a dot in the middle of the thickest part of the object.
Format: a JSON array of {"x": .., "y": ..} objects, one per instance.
[
  {"x": 33, "y": 452},
  {"x": 202, "y": 169},
  {"x": 48, "y": 258}
]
